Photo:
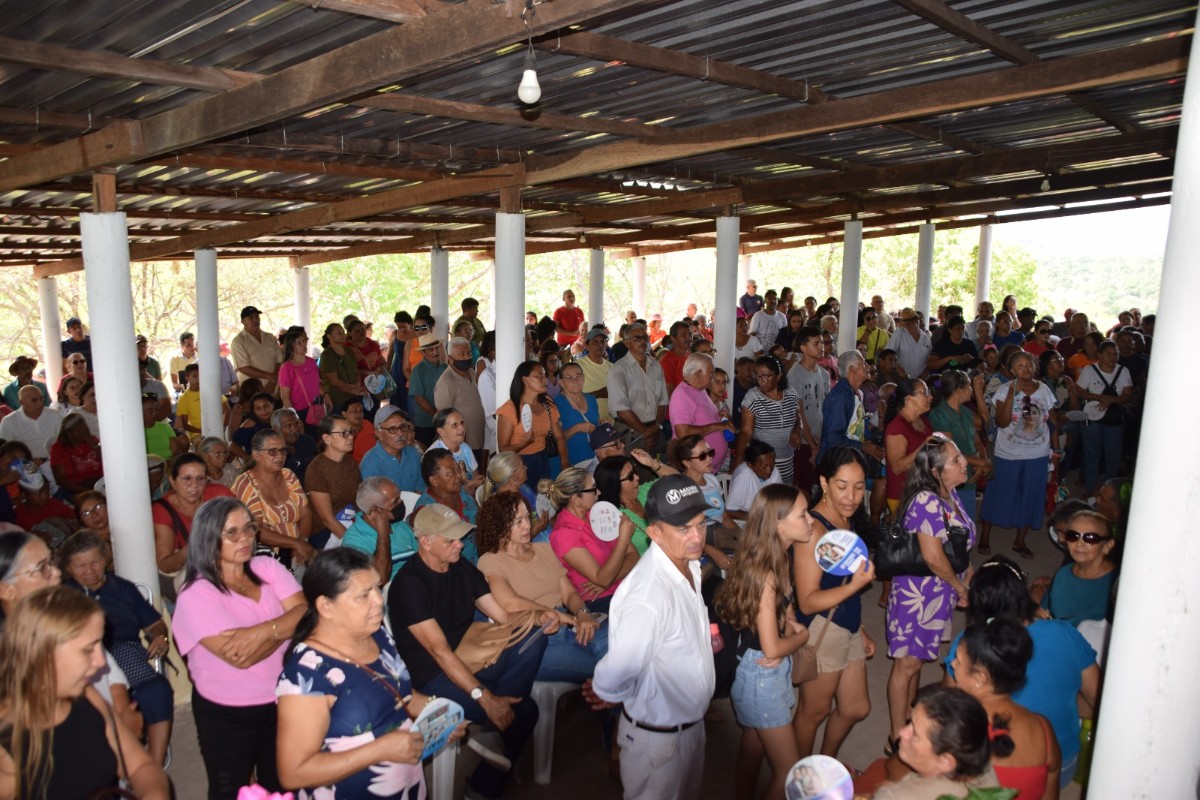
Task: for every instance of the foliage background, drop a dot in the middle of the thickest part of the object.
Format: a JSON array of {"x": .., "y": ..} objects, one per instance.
[{"x": 1101, "y": 283}]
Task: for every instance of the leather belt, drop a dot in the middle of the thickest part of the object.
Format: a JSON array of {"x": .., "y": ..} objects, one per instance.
[{"x": 656, "y": 728}]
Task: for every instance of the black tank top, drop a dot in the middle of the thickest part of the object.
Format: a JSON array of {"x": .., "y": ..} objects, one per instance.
[
  {"x": 83, "y": 761},
  {"x": 848, "y": 614}
]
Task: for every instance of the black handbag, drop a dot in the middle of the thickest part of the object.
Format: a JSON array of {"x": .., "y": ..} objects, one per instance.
[{"x": 899, "y": 550}]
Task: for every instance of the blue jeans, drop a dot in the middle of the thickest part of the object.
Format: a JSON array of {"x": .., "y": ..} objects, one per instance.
[
  {"x": 566, "y": 661},
  {"x": 511, "y": 676},
  {"x": 1101, "y": 453}
]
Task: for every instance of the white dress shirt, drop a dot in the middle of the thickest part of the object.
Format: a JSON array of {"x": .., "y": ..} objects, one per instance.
[
  {"x": 912, "y": 354},
  {"x": 659, "y": 661}
]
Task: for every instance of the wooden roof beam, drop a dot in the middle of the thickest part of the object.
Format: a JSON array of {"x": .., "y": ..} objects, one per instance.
[
  {"x": 463, "y": 31},
  {"x": 676, "y": 62},
  {"x": 962, "y": 26},
  {"x": 398, "y": 11},
  {"x": 1135, "y": 63},
  {"x": 389, "y": 148}
]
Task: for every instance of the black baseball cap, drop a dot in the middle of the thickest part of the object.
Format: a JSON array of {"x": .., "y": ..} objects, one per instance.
[
  {"x": 249, "y": 311},
  {"x": 675, "y": 500}
]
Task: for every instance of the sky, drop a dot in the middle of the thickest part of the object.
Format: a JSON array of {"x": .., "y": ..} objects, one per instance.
[{"x": 1135, "y": 232}]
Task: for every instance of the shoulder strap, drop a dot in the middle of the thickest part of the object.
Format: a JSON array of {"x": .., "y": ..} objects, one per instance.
[
  {"x": 181, "y": 531},
  {"x": 1100, "y": 375}
]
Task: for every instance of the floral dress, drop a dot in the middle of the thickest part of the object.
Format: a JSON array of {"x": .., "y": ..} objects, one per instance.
[
  {"x": 363, "y": 710},
  {"x": 920, "y": 608}
]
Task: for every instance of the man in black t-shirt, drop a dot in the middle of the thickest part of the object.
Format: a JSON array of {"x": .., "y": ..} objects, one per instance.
[
  {"x": 431, "y": 604},
  {"x": 954, "y": 350}
]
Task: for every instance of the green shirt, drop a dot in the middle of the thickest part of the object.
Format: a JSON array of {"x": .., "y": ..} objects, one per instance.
[{"x": 640, "y": 540}]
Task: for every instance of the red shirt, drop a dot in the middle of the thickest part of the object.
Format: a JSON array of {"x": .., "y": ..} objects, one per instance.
[
  {"x": 913, "y": 439},
  {"x": 571, "y": 319},
  {"x": 672, "y": 367}
]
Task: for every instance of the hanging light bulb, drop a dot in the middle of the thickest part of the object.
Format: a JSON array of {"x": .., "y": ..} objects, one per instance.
[
  {"x": 529, "y": 90},
  {"x": 1046, "y": 184}
]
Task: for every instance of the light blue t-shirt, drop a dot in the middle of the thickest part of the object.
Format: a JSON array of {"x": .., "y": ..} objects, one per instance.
[
  {"x": 362, "y": 537},
  {"x": 1052, "y": 679},
  {"x": 404, "y": 470}
]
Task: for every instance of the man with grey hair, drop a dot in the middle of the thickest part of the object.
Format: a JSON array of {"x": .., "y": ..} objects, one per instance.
[
  {"x": 301, "y": 448},
  {"x": 456, "y": 388},
  {"x": 379, "y": 529},
  {"x": 33, "y": 424},
  {"x": 637, "y": 391},
  {"x": 843, "y": 417},
  {"x": 829, "y": 324}
]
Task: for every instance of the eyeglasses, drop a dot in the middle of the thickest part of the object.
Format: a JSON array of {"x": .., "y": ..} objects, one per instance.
[
  {"x": 45, "y": 568},
  {"x": 632, "y": 476},
  {"x": 392, "y": 429},
  {"x": 1073, "y": 536},
  {"x": 869, "y": 319},
  {"x": 233, "y": 534},
  {"x": 703, "y": 455},
  {"x": 274, "y": 452},
  {"x": 764, "y": 376},
  {"x": 592, "y": 490},
  {"x": 420, "y": 327},
  {"x": 96, "y": 509},
  {"x": 637, "y": 338},
  {"x": 344, "y": 434}
]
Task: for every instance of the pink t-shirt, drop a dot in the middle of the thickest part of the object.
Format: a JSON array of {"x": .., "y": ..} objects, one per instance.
[
  {"x": 692, "y": 406},
  {"x": 571, "y": 532},
  {"x": 304, "y": 382},
  {"x": 203, "y": 610}
]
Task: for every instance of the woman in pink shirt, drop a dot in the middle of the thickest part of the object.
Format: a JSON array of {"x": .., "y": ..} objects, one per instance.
[
  {"x": 594, "y": 567},
  {"x": 692, "y": 410},
  {"x": 233, "y": 618}
]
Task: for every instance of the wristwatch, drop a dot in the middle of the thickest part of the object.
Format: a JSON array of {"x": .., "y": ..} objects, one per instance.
[{"x": 477, "y": 693}]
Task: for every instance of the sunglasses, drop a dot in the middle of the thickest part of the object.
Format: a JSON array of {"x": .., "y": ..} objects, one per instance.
[
  {"x": 704, "y": 455},
  {"x": 592, "y": 490},
  {"x": 630, "y": 477},
  {"x": 1073, "y": 536},
  {"x": 637, "y": 339}
]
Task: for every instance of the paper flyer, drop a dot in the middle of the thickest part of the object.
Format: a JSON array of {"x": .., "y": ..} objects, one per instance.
[
  {"x": 841, "y": 552},
  {"x": 436, "y": 722}
]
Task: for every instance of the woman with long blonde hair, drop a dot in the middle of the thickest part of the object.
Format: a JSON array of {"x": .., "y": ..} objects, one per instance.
[
  {"x": 51, "y": 717},
  {"x": 756, "y": 600}
]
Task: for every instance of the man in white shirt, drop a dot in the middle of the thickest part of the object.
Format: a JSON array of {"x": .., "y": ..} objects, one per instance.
[
  {"x": 659, "y": 662},
  {"x": 32, "y": 424},
  {"x": 765, "y": 324},
  {"x": 912, "y": 345},
  {"x": 255, "y": 352}
]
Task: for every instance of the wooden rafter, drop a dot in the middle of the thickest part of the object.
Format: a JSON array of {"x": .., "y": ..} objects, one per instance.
[
  {"x": 962, "y": 26},
  {"x": 462, "y": 31}
]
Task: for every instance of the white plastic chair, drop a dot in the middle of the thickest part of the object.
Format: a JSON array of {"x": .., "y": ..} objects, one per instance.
[
  {"x": 442, "y": 776},
  {"x": 410, "y": 501},
  {"x": 546, "y": 695},
  {"x": 724, "y": 478}
]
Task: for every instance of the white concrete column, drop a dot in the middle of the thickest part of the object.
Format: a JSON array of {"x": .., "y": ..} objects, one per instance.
[
  {"x": 208, "y": 342},
  {"x": 118, "y": 395},
  {"x": 509, "y": 300},
  {"x": 1148, "y": 726},
  {"x": 595, "y": 286},
  {"x": 745, "y": 271},
  {"x": 302, "y": 294},
  {"x": 492, "y": 297},
  {"x": 51, "y": 332},
  {"x": 851, "y": 266},
  {"x": 924, "y": 271},
  {"x": 639, "y": 288},
  {"x": 439, "y": 292},
  {"x": 728, "y": 241},
  {"x": 983, "y": 269}
]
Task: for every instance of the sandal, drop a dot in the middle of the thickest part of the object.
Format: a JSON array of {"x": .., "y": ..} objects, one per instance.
[
  {"x": 1023, "y": 552},
  {"x": 892, "y": 747},
  {"x": 983, "y": 550}
]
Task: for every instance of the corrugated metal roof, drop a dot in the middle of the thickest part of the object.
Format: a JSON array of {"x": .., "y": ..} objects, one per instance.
[{"x": 843, "y": 50}]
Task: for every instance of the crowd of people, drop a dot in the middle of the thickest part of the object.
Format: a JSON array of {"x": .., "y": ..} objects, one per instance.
[{"x": 639, "y": 509}]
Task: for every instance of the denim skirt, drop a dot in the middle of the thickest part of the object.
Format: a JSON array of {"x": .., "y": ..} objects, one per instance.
[{"x": 762, "y": 697}]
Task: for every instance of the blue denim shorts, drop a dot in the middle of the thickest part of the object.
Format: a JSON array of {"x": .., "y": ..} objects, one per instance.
[{"x": 762, "y": 697}]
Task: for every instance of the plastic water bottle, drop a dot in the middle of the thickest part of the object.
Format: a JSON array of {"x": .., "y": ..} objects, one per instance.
[
  {"x": 728, "y": 434},
  {"x": 718, "y": 642}
]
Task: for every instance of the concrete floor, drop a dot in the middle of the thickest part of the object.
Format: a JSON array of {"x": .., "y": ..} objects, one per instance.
[{"x": 581, "y": 768}]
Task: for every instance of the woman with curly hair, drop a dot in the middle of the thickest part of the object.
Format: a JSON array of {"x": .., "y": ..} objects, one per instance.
[
  {"x": 756, "y": 600},
  {"x": 525, "y": 575}
]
